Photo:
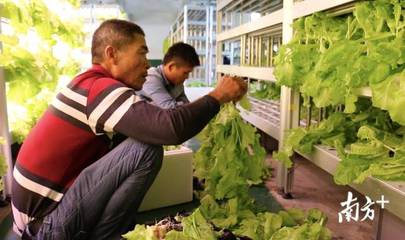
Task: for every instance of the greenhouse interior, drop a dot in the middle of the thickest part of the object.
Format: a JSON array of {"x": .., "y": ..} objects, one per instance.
[{"x": 202, "y": 119}]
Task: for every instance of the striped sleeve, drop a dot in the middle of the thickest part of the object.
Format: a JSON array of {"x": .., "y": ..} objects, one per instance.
[
  {"x": 70, "y": 106},
  {"x": 108, "y": 107}
]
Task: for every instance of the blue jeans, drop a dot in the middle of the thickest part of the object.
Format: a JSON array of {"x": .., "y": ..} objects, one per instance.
[{"x": 102, "y": 202}]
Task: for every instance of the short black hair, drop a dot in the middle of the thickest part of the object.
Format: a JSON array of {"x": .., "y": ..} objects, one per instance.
[
  {"x": 182, "y": 52},
  {"x": 114, "y": 32}
]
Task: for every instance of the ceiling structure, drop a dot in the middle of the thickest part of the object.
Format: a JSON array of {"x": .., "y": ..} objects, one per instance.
[
  {"x": 148, "y": 11},
  {"x": 154, "y": 16},
  {"x": 153, "y": 11}
]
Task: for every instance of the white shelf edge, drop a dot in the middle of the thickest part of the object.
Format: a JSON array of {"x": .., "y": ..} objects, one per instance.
[
  {"x": 262, "y": 124},
  {"x": 222, "y": 4},
  {"x": 308, "y": 7},
  {"x": 198, "y": 38},
  {"x": 197, "y": 23},
  {"x": 258, "y": 24},
  {"x": 195, "y": 8},
  {"x": 182, "y": 149},
  {"x": 260, "y": 73},
  {"x": 326, "y": 159},
  {"x": 268, "y": 109},
  {"x": 366, "y": 91}
]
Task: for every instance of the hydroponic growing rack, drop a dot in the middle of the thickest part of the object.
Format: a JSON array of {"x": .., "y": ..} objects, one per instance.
[
  {"x": 195, "y": 25},
  {"x": 248, "y": 34}
]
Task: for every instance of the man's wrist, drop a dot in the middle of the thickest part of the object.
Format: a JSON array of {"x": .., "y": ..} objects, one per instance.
[{"x": 217, "y": 96}]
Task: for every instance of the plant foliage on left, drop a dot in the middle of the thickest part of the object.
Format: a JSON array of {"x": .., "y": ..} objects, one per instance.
[{"x": 38, "y": 45}]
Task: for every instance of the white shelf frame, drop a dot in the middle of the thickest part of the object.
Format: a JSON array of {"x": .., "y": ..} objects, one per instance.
[
  {"x": 308, "y": 7},
  {"x": 5, "y": 149},
  {"x": 222, "y": 3},
  {"x": 261, "y": 123},
  {"x": 5, "y": 134},
  {"x": 191, "y": 17},
  {"x": 260, "y": 73},
  {"x": 269, "y": 127},
  {"x": 257, "y": 25}
]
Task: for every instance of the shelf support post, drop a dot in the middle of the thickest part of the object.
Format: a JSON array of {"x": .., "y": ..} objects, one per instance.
[
  {"x": 5, "y": 133},
  {"x": 289, "y": 106}
]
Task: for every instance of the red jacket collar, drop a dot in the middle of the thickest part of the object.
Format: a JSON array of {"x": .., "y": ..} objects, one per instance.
[{"x": 100, "y": 69}]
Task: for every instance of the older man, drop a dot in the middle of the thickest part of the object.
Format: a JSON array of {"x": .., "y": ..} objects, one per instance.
[{"x": 67, "y": 183}]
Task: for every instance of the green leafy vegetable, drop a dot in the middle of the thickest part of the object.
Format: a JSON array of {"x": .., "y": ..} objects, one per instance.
[
  {"x": 230, "y": 158},
  {"x": 330, "y": 58},
  {"x": 197, "y": 227},
  {"x": 377, "y": 153},
  {"x": 229, "y": 161},
  {"x": 389, "y": 95},
  {"x": 244, "y": 102},
  {"x": 264, "y": 90}
]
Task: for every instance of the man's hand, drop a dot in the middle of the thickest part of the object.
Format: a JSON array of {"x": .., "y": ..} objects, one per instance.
[{"x": 229, "y": 89}]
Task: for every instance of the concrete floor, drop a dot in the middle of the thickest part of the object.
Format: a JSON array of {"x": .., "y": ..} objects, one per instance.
[{"x": 314, "y": 188}]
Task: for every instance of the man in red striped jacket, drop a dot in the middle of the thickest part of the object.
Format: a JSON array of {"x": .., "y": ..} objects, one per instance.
[{"x": 67, "y": 183}]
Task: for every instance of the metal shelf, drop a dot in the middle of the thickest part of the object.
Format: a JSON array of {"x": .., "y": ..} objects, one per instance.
[
  {"x": 222, "y": 3},
  {"x": 239, "y": 12},
  {"x": 199, "y": 38},
  {"x": 248, "y": 6},
  {"x": 261, "y": 73},
  {"x": 268, "y": 109},
  {"x": 270, "y": 128},
  {"x": 323, "y": 157},
  {"x": 326, "y": 158},
  {"x": 307, "y": 7},
  {"x": 194, "y": 25},
  {"x": 300, "y": 9},
  {"x": 201, "y": 52},
  {"x": 266, "y": 21},
  {"x": 197, "y": 23}
]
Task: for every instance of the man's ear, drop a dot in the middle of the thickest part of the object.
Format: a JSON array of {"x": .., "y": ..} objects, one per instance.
[
  {"x": 171, "y": 65},
  {"x": 110, "y": 54}
]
